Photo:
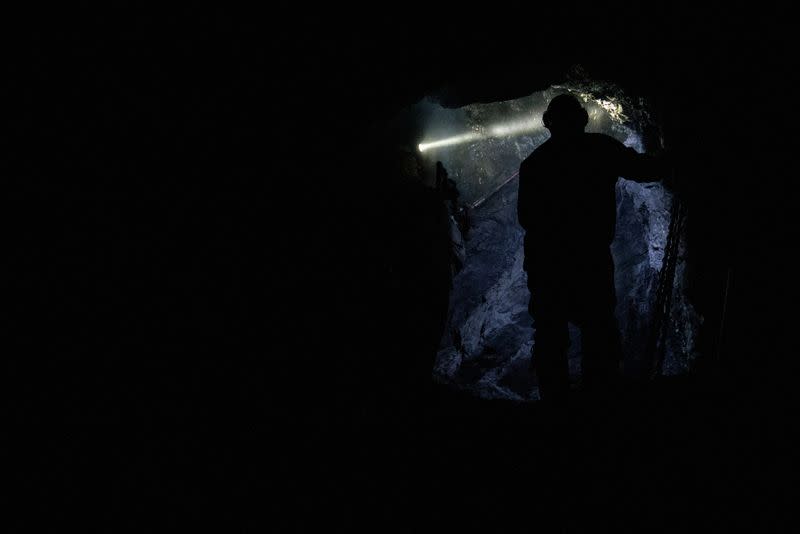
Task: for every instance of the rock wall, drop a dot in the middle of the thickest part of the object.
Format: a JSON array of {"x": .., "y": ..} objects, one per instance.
[{"x": 486, "y": 347}]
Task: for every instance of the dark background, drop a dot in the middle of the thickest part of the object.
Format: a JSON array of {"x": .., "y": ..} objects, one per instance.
[{"x": 196, "y": 274}]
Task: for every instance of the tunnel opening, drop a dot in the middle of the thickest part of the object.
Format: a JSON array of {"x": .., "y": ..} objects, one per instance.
[{"x": 487, "y": 343}]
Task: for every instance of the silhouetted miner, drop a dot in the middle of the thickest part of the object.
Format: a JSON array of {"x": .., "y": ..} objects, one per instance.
[{"x": 567, "y": 206}]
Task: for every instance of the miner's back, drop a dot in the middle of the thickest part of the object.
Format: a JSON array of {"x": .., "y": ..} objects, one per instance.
[{"x": 567, "y": 197}]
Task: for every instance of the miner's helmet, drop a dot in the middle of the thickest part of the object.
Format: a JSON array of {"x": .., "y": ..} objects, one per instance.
[{"x": 565, "y": 114}]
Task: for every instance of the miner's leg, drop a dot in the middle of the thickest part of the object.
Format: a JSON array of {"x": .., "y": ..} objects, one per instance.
[
  {"x": 600, "y": 339},
  {"x": 601, "y": 352},
  {"x": 551, "y": 339}
]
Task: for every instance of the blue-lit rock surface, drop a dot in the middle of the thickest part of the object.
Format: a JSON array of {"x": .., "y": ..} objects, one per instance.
[{"x": 486, "y": 347}]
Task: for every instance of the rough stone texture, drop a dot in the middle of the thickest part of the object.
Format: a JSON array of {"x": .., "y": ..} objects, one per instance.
[{"x": 486, "y": 347}]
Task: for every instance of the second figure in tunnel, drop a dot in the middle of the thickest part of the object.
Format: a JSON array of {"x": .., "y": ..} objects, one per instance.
[{"x": 567, "y": 207}]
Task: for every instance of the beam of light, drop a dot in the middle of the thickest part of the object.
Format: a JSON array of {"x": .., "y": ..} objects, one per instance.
[
  {"x": 511, "y": 128},
  {"x": 514, "y": 128},
  {"x": 505, "y": 129},
  {"x": 455, "y": 140}
]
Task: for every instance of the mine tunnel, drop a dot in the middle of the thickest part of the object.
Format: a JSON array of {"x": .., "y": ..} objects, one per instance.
[
  {"x": 444, "y": 294},
  {"x": 234, "y": 270},
  {"x": 462, "y": 274}
]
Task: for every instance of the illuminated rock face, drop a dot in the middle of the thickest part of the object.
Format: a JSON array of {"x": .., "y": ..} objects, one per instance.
[
  {"x": 487, "y": 342},
  {"x": 486, "y": 347}
]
